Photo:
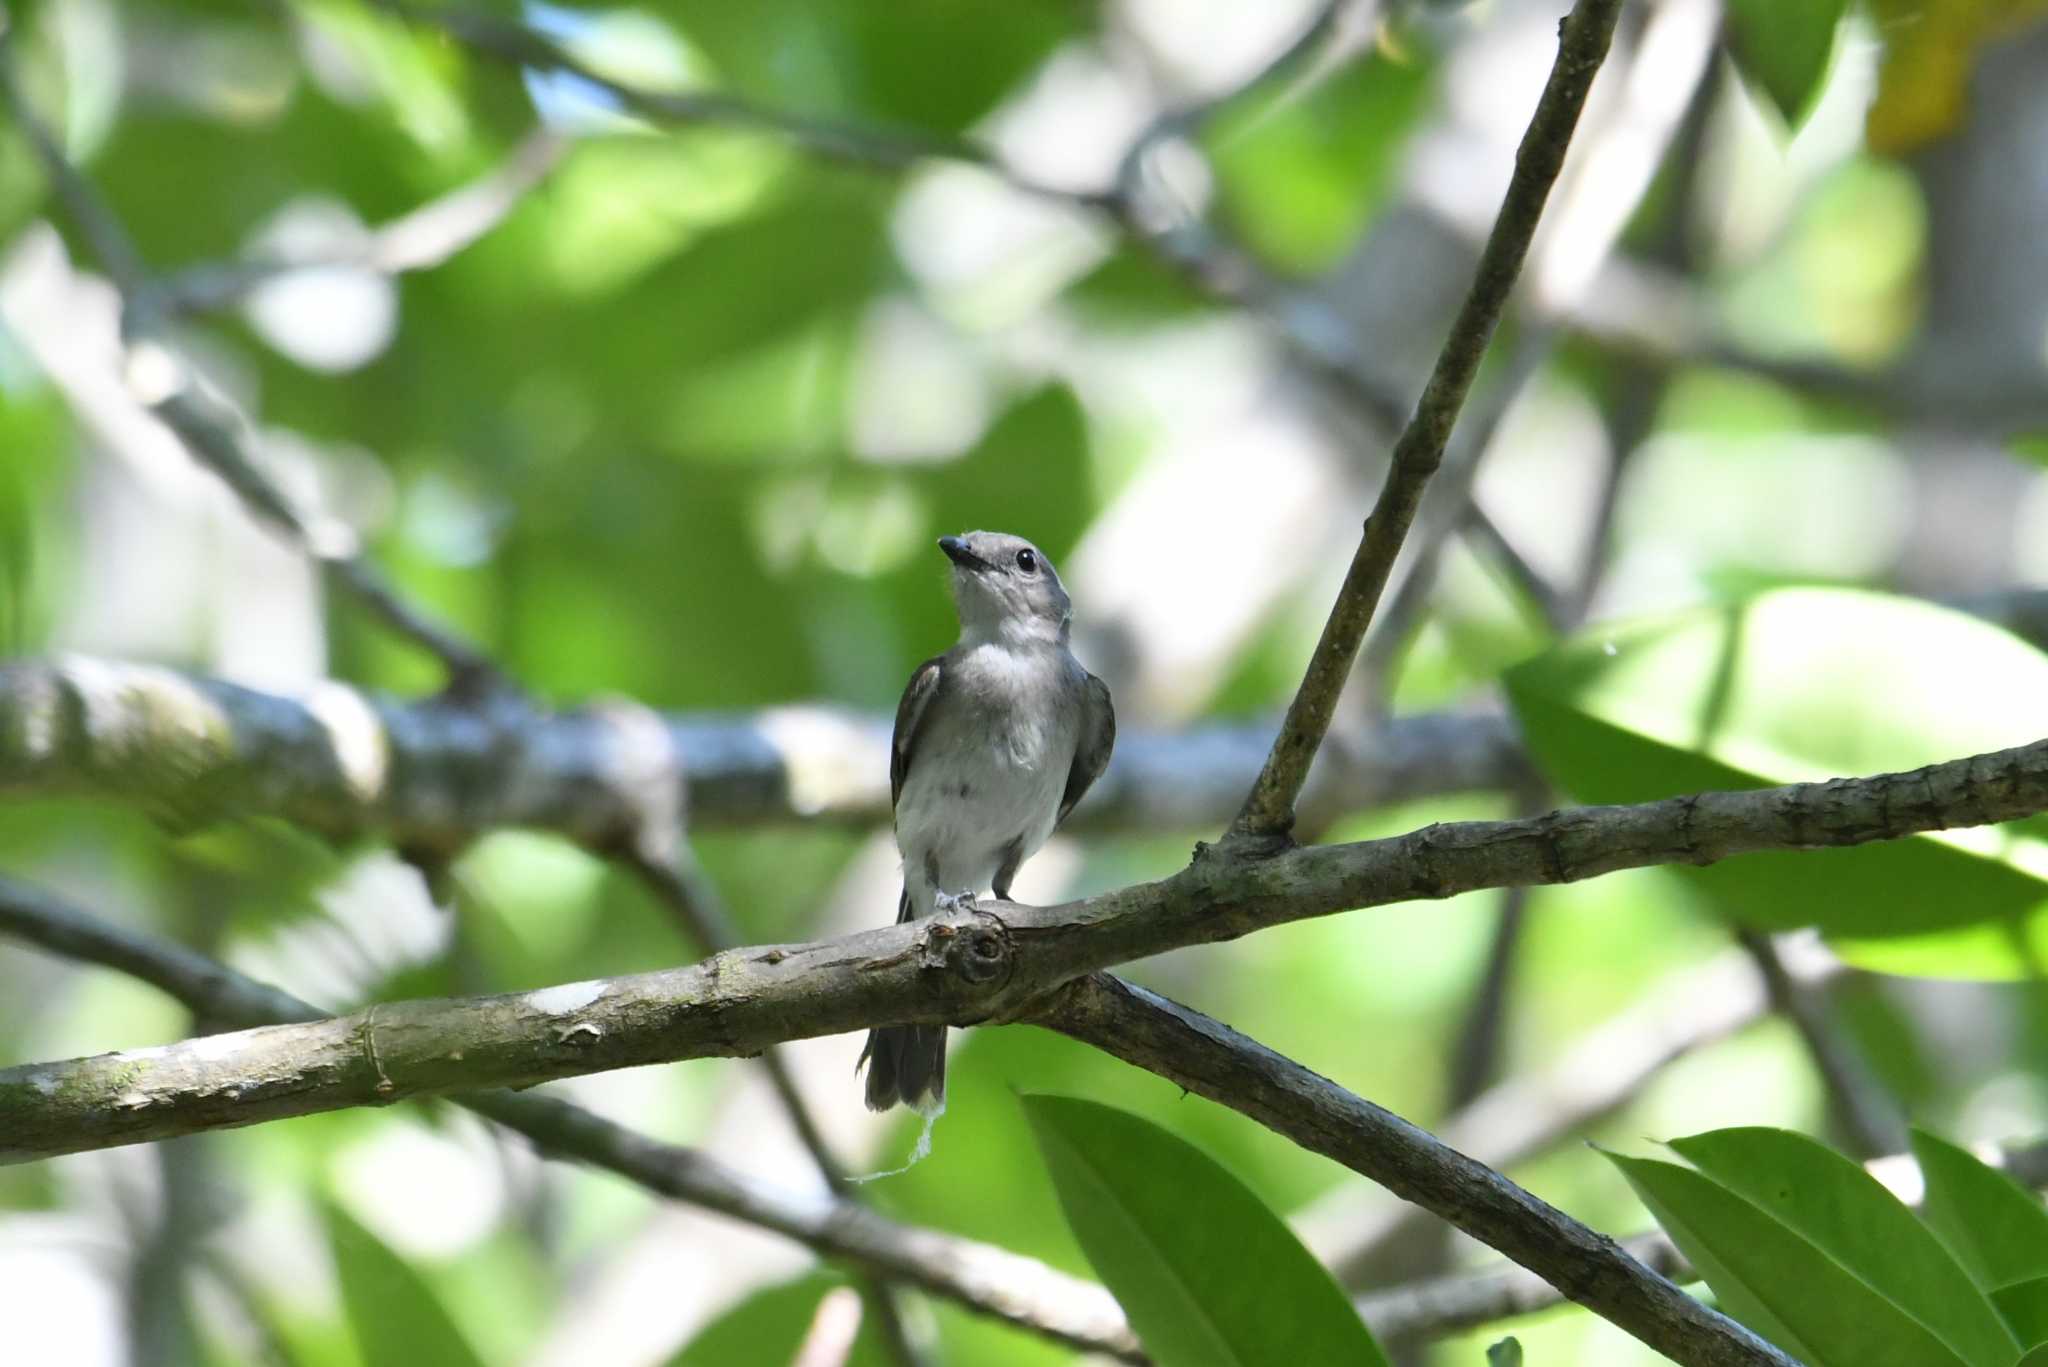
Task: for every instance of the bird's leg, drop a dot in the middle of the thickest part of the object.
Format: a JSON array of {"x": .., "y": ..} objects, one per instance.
[{"x": 954, "y": 901}]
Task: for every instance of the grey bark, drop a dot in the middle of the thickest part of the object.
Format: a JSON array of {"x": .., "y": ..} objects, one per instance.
[
  {"x": 433, "y": 773},
  {"x": 963, "y": 968}
]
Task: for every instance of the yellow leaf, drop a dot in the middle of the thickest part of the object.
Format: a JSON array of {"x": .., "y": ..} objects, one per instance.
[{"x": 1930, "y": 47}]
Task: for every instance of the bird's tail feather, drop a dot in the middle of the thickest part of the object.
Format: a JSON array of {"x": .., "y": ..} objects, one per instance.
[{"x": 906, "y": 1063}]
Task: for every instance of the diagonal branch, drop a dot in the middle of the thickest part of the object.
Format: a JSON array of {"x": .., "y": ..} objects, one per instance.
[
  {"x": 1871, "y": 1121},
  {"x": 990, "y": 962},
  {"x": 1584, "y": 37},
  {"x": 1462, "y": 1301},
  {"x": 981, "y": 1277},
  {"x": 1208, "y": 1057},
  {"x": 1603, "y": 1070}
]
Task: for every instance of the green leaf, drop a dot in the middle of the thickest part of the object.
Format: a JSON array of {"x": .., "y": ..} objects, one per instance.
[
  {"x": 1506, "y": 1353},
  {"x": 1208, "y": 1275},
  {"x": 1777, "y": 689},
  {"x": 771, "y": 1324},
  {"x": 1931, "y": 50},
  {"x": 396, "y": 1315},
  {"x": 1850, "y": 1216},
  {"x": 935, "y": 64},
  {"x": 2035, "y": 1357},
  {"x": 1028, "y": 474},
  {"x": 1996, "y": 1228},
  {"x": 1300, "y": 175},
  {"x": 1783, "y": 47},
  {"x": 1777, "y": 1282},
  {"x": 2024, "y": 1308}
]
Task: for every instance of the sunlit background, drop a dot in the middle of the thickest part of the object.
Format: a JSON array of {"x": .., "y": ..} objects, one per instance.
[{"x": 676, "y": 414}]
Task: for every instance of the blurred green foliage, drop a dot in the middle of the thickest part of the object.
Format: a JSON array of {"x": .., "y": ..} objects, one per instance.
[{"x": 626, "y": 439}]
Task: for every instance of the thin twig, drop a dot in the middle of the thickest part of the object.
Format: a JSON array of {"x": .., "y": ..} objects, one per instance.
[
  {"x": 870, "y": 147},
  {"x": 1448, "y": 506},
  {"x": 981, "y": 1277},
  {"x": 1317, "y": 48},
  {"x": 1485, "y": 533},
  {"x": 1208, "y": 1057},
  {"x": 1268, "y": 811},
  {"x": 1321, "y": 340}
]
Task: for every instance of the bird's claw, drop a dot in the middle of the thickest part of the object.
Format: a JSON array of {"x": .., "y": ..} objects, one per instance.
[{"x": 950, "y": 902}]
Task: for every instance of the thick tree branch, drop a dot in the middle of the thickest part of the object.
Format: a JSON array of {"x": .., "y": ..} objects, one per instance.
[
  {"x": 432, "y": 774},
  {"x": 1582, "y": 46},
  {"x": 1208, "y": 1057},
  {"x": 979, "y": 1276},
  {"x": 962, "y": 968}
]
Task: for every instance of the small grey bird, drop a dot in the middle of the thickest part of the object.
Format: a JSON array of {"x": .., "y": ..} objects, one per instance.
[{"x": 995, "y": 742}]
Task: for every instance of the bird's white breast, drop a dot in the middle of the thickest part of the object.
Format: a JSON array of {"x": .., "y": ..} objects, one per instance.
[{"x": 990, "y": 766}]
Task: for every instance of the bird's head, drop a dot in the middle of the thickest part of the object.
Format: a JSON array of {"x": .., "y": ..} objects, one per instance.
[{"x": 1005, "y": 589}]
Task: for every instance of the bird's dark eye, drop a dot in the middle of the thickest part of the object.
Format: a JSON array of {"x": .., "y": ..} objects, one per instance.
[{"x": 1027, "y": 562}]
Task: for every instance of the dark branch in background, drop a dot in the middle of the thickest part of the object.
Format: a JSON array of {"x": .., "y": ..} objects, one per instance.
[
  {"x": 1870, "y": 1121},
  {"x": 963, "y": 968},
  {"x": 435, "y": 773},
  {"x": 980, "y": 1277},
  {"x": 872, "y": 147},
  {"x": 1475, "y": 1055},
  {"x": 1583, "y": 42},
  {"x": 1334, "y": 26},
  {"x": 1208, "y": 1057}
]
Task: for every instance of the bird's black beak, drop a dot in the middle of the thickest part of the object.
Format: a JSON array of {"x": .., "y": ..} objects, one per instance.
[{"x": 957, "y": 552}]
